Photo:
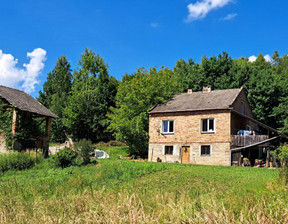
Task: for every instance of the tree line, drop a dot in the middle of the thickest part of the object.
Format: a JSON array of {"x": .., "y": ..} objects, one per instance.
[{"x": 92, "y": 104}]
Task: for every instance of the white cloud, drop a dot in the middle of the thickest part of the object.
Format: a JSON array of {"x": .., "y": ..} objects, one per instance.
[
  {"x": 267, "y": 58},
  {"x": 200, "y": 9},
  {"x": 252, "y": 58},
  {"x": 155, "y": 25},
  {"x": 230, "y": 16},
  {"x": 12, "y": 76}
]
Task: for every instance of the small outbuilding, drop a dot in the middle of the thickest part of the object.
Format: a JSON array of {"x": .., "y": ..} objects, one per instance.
[{"x": 28, "y": 108}]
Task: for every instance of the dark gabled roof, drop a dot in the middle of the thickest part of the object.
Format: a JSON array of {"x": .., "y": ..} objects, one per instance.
[
  {"x": 198, "y": 101},
  {"x": 24, "y": 102}
]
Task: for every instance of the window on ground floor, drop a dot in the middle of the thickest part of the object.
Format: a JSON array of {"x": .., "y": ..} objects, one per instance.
[
  {"x": 169, "y": 150},
  {"x": 205, "y": 150}
]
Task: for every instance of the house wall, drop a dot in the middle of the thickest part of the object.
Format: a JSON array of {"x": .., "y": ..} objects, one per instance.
[
  {"x": 220, "y": 154},
  {"x": 187, "y": 127},
  {"x": 187, "y": 132}
]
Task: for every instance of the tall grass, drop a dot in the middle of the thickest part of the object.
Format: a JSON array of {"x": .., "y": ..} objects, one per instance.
[
  {"x": 101, "y": 206},
  {"x": 120, "y": 191}
]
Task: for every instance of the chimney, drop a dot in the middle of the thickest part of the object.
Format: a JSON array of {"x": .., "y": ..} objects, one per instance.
[
  {"x": 189, "y": 91},
  {"x": 206, "y": 89}
]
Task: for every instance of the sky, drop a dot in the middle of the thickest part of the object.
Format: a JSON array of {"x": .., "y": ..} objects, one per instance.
[{"x": 132, "y": 34}]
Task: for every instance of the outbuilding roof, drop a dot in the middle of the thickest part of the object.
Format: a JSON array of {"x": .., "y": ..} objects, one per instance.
[
  {"x": 24, "y": 102},
  {"x": 198, "y": 101}
]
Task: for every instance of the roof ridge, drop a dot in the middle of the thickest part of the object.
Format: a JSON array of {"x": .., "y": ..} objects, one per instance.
[
  {"x": 215, "y": 90},
  {"x": 14, "y": 89}
]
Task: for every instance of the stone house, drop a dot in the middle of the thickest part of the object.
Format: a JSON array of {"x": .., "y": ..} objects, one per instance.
[
  {"x": 209, "y": 127},
  {"x": 26, "y": 106}
]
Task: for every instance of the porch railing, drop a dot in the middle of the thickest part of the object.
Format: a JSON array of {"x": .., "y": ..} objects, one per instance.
[{"x": 245, "y": 140}]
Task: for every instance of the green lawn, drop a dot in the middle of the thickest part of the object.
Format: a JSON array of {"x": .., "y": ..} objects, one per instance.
[{"x": 122, "y": 191}]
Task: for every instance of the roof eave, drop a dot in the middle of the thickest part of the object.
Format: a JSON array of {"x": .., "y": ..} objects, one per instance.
[
  {"x": 182, "y": 111},
  {"x": 40, "y": 115}
]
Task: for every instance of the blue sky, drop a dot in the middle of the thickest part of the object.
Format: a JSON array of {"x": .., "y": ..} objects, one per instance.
[{"x": 132, "y": 34}]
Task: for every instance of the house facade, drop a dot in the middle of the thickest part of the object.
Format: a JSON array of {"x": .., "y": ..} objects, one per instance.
[{"x": 202, "y": 128}]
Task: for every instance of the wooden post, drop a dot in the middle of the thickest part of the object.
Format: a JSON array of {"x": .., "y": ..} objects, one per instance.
[
  {"x": 48, "y": 126},
  {"x": 14, "y": 122},
  {"x": 274, "y": 161},
  {"x": 46, "y": 143},
  {"x": 268, "y": 158}
]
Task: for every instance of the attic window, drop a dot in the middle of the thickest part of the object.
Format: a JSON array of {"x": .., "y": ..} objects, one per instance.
[
  {"x": 168, "y": 127},
  {"x": 242, "y": 108},
  {"x": 208, "y": 125}
]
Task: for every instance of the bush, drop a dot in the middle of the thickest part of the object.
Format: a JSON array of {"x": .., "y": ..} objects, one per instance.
[
  {"x": 282, "y": 154},
  {"x": 64, "y": 158},
  {"x": 84, "y": 148},
  {"x": 15, "y": 161}
]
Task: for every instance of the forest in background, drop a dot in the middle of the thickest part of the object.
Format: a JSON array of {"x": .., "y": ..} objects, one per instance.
[{"x": 91, "y": 104}]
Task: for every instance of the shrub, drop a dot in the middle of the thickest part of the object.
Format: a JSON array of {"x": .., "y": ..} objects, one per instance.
[
  {"x": 84, "y": 148},
  {"x": 64, "y": 158},
  {"x": 15, "y": 161},
  {"x": 282, "y": 154}
]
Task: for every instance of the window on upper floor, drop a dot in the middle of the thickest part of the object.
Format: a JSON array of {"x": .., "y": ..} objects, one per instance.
[
  {"x": 208, "y": 125},
  {"x": 205, "y": 150},
  {"x": 242, "y": 108},
  {"x": 168, "y": 127},
  {"x": 169, "y": 150}
]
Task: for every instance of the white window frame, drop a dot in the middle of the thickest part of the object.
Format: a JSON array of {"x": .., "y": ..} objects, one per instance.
[
  {"x": 208, "y": 131},
  {"x": 205, "y": 154},
  {"x": 162, "y": 127}
]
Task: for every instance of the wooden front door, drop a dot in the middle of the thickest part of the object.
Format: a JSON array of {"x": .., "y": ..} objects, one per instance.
[{"x": 186, "y": 154}]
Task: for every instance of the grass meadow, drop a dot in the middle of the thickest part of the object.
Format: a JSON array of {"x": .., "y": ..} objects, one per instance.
[{"x": 125, "y": 191}]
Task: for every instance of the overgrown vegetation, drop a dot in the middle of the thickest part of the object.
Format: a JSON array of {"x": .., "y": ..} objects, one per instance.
[
  {"x": 15, "y": 161},
  {"x": 84, "y": 148},
  {"x": 6, "y": 113},
  {"x": 122, "y": 191},
  {"x": 282, "y": 154},
  {"x": 79, "y": 155},
  {"x": 26, "y": 128},
  {"x": 64, "y": 158}
]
